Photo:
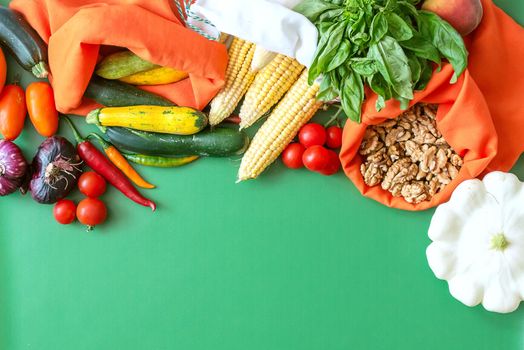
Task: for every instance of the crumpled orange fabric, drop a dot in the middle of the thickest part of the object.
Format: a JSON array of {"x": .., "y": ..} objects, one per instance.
[
  {"x": 463, "y": 118},
  {"x": 488, "y": 106},
  {"x": 76, "y": 29},
  {"x": 496, "y": 63}
]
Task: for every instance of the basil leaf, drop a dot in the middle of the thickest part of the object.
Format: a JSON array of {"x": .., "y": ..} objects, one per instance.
[
  {"x": 379, "y": 27},
  {"x": 422, "y": 48},
  {"x": 363, "y": 66},
  {"x": 342, "y": 54},
  {"x": 327, "y": 91},
  {"x": 380, "y": 104},
  {"x": 332, "y": 45},
  {"x": 415, "y": 67},
  {"x": 352, "y": 96},
  {"x": 408, "y": 7},
  {"x": 446, "y": 39},
  {"x": 398, "y": 28},
  {"x": 316, "y": 69},
  {"x": 425, "y": 74},
  {"x": 331, "y": 15},
  {"x": 379, "y": 86},
  {"x": 393, "y": 64},
  {"x": 312, "y": 9}
]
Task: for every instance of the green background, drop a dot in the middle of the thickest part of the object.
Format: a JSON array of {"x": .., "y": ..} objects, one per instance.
[{"x": 293, "y": 260}]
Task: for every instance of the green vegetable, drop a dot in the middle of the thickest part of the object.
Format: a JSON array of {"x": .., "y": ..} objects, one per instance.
[
  {"x": 159, "y": 161},
  {"x": 29, "y": 50},
  {"x": 387, "y": 44},
  {"x": 113, "y": 93},
  {"x": 122, "y": 64},
  {"x": 219, "y": 142}
]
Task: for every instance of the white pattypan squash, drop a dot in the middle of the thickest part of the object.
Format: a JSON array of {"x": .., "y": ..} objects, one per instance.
[{"x": 478, "y": 242}]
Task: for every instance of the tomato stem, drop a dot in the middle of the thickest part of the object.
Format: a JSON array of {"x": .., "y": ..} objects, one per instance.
[{"x": 330, "y": 121}]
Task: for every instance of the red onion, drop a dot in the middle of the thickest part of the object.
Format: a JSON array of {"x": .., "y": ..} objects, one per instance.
[
  {"x": 13, "y": 167},
  {"x": 56, "y": 168}
]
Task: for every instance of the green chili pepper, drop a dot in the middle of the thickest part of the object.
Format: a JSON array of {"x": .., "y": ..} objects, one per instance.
[{"x": 158, "y": 161}]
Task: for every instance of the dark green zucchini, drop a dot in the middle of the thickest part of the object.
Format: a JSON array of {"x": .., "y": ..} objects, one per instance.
[
  {"x": 113, "y": 93},
  {"x": 219, "y": 142},
  {"x": 29, "y": 50}
]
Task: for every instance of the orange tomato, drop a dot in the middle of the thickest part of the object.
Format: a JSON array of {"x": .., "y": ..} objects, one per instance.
[
  {"x": 41, "y": 107},
  {"x": 12, "y": 111},
  {"x": 3, "y": 69}
]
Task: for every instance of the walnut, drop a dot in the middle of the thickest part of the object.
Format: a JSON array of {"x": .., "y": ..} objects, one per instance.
[
  {"x": 408, "y": 156},
  {"x": 414, "y": 192},
  {"x": 372, "y": 173},
  {"x": 371, "y": 143},
  {"x": 400, "y": 172},
  {"x": 397, "y": 135},
  {"x": 395, "y": 152},
  {"x": 428, "y": 162}
]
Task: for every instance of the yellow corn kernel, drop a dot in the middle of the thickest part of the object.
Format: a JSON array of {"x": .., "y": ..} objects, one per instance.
[
  {"x": 238, "y": 79},
  {"x": 270, "y": 84},
  {"x": 297, "y": 107}
]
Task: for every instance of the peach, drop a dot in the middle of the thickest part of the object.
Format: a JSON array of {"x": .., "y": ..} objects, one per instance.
[{"x": 463, "y": 15}]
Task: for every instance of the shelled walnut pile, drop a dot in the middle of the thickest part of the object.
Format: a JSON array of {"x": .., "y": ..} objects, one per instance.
[{"x": 408, "y": 155}]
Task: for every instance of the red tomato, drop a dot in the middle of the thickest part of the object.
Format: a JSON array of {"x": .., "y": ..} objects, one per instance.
[
  {"x": 65, "y": 211},
  {"x": 316, "y": 158},
  {"x": 91, "y": 184},
  {"x": 333, "y": 165},
  {"x": 91, "y": 212},
  {"x": 292, "y": 156},
  {"x": 334, "y": 137},
  {"x": 12, "y": 111},
  {"x": 312, "y": 134}
]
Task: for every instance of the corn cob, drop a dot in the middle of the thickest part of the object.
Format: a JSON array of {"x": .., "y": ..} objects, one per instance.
[
  {"x": 296, "y": 108},
  {"x": 261, "y": 58},
  {"x": 238, "y": 78},
  {"x": 270, "y": 84}
]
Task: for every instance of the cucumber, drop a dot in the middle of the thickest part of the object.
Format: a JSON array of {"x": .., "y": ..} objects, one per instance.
[
  {"x": 122, "y": 64},
  {"x": 113, "y": 93},
  {"x": 219, "y": 142},
  {"x": 24, "y": 43}
]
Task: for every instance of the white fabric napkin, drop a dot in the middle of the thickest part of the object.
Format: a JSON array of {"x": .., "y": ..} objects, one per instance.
[{"x": 270, "y": 24}]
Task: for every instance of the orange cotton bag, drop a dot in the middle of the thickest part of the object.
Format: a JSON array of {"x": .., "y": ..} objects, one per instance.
[
  {"x": 76, "y": 29},
  {"x": 463, "y": 118},
  {"x": 496, "y": 63}
]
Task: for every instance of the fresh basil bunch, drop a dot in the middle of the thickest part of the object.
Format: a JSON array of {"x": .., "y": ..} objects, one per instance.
[{"x": 390, "y": 45}]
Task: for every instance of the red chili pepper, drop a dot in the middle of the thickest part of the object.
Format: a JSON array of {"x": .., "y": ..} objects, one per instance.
[{"x": 103, "y": 166}]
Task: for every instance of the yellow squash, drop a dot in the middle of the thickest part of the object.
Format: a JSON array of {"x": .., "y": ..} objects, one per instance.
[
  {"x": 156, "y": 76},
  {"x": 167, "y": 120}
]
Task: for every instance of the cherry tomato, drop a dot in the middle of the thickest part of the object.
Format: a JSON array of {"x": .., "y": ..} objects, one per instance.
[
  {"x": 333, "y": 165},
  {"x": 65, "y": 211},
  {"x": 312, "y": 134},
  {"x": 292, "y": 156},
  {"x": 91, "y": 184},
  {"x": 12, "y": 111},
  {"x": 316, "y": 158},
  {"x": 41, "y": 107},
  {"x": 91, "y": 212},
  {"x": 334, "y": 137}
]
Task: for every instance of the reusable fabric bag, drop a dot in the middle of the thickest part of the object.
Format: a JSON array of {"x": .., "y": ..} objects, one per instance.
[
  {"x": 76, "y": 29},
  {"x": 463, "y": 118}
]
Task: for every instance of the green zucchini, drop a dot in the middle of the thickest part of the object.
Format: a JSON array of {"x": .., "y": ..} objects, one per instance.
[
  {"x": 122, "y": 64},
  {"x": 112, "y": 93},
  {"x": 24, "y": 43},
  {"x": 219, "y": 142}
]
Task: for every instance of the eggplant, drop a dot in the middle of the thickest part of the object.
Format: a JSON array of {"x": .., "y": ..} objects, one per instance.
[
  {"x": 56, "y": 168},
  {"x": 13, "y": 167}
]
